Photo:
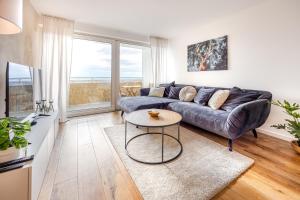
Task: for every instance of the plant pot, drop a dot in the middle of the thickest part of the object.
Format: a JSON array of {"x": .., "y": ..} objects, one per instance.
[
  {"x": 295, "y": 146},
  {"x": 11, "y": 153}
]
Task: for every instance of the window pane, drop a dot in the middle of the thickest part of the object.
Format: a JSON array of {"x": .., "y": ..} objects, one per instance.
[
  {"x": 90, "y": 81},
  {"x": 131, "y": 69}
]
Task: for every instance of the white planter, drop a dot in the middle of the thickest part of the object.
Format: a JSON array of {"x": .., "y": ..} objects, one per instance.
[{"x": 11, "y": 153}]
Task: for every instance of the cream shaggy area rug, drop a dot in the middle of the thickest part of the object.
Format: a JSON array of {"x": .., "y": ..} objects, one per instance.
[{"x": 202, "y": 170}]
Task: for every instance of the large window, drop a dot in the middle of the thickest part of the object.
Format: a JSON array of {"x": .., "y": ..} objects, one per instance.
[
  {"x": 131, "y": 69},
  {"x": 96, "y": 75},
  {"x": 91, "y": 72}
]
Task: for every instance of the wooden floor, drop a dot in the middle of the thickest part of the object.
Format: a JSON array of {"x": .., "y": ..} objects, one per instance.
[{"x": 85, "y": 166}]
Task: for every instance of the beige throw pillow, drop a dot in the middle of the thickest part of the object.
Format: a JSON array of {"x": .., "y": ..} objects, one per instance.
[
  {"x": 156, "y": 92},
  {"x": 187, "y": 93},
  {"x": 218, "y": 99}
]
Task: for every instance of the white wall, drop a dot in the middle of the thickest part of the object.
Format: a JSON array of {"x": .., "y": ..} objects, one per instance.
[
  {"x": 19, "y": 48},
  {"x": 264, "y": 53}
]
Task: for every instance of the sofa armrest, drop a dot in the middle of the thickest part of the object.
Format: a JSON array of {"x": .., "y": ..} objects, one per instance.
[
  {"x": 144, "y": 91},
  {"x": 247, "y": 116}
]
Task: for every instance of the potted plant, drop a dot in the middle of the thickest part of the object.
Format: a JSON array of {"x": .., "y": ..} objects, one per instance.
[
  {"x": 12, "y": 136},
  {"x": 292, "y": 125}
]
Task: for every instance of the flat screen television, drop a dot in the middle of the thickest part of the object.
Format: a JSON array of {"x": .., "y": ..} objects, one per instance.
[{"x": 21, "y": 90}]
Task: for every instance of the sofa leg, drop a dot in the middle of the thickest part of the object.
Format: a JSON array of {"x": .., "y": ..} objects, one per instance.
[
  {"x": 122, "y": 113},
  {"x": 254, "y": 133},
  {"x": 230, "y": 142}
]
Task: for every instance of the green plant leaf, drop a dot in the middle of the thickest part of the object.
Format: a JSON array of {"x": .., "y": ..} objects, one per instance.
[
  {"x": 279, "y": 126},
  {"x": 287, "y": 106},
  {"x": 5, "y": 145},
  {"x": 4, "y": 123},
  {"x": 19, "y": 142},
  {"x": 19, "y": 129},
  {"x": 4, "y": 139},
  {"x": 293, "y": 125}
]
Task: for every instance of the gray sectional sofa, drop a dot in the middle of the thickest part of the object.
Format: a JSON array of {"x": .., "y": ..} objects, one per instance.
[{"x": 231, "y": 124}]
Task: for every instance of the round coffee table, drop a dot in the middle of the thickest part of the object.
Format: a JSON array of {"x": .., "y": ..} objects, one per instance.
[{"x": 166, "y": 118}]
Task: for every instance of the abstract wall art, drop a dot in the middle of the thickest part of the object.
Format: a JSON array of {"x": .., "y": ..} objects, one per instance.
[{"x": 209, "y": 55}]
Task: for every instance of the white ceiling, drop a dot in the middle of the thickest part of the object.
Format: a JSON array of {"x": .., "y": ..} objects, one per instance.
[{"x": 163, "y": 18}]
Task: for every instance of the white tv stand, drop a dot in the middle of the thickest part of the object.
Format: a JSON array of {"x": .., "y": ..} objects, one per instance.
[{"x": 24, "y": 181}]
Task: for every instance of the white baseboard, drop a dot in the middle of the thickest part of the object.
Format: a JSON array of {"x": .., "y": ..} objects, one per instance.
[{"x": 276, "y": 135}]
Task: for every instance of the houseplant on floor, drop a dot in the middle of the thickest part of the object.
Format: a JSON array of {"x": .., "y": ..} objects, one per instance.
[
  {"x": 292, "y": 125},
  {"x": 12, "y": 136}
]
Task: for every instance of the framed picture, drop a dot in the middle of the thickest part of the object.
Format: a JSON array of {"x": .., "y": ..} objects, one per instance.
[{"x": 209, "y": 55}]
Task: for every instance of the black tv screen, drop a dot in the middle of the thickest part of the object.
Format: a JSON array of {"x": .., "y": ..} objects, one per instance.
[{"x": 19, "y": 90}]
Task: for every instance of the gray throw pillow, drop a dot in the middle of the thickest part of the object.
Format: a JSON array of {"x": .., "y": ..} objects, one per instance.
[
  {"x": 204, "y": 95},
  {"x": 174, "y": 92},
  {"x": 167, "y": 87},
  {"x": 237, "y": 97}
]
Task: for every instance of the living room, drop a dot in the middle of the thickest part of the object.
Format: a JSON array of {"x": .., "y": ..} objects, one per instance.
[{"x": 149, "y": 99}]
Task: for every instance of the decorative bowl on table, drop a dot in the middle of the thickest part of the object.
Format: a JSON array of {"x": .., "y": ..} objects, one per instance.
[{"x": 153, "y": 113}]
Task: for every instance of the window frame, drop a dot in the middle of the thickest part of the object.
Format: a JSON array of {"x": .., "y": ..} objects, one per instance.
[{"x": 115, "y": 71}]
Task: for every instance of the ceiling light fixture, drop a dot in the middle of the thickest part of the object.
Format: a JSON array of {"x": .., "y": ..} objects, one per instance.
[{"x": 11, "y": 16}]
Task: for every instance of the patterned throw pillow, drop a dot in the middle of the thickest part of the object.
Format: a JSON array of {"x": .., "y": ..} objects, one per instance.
[
  {"x": 157, "y": 92},
  {"x": 174, "y": 92},
  {"x": 167, "y": 87},
  {"x": 237, "y": 97},
  {"x": 218, "y": 99},
  {"x": 204, "y": 95},
  {"x": 187, "y": 93}
]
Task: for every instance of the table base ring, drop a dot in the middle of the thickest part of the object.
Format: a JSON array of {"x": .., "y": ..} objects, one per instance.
[{"x": 153, "y": 163}]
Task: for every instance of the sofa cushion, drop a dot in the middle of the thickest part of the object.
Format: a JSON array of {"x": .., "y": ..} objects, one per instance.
[
  {"x": 218, "y": 99},
  {"x": 144, "y": 91},
  {"x": 204, "y": 95},
  {"x": 129, "y": 104},
  {"x": 174, "y": 92},
  {"x": 156, "y": 92},
  {"x": 237, "y": 97},
  {"x": 187, "y": 93},
  {"x": 201, "y": 116},
  {"x": 167, "y": 87}
]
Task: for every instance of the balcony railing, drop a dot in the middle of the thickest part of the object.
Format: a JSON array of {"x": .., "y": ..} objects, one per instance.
[
  {"x": 20, "y": 81},
  {"x": 96, "y": 91}
]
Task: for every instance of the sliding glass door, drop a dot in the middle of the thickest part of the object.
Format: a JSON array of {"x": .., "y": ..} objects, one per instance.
[
  {"x": 103, "y": 70},
  {"x": 131, "y": 69},
  {"x": 91, "y": 75}
]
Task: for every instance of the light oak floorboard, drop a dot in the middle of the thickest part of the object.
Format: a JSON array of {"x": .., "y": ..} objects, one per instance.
[
  {"x": 67, "y": 165},
  {"x": 118, "y": 188},
  {"x": 84, "y": 165},
  {"x": 66, "y": 190},
  {"x": 89, "y": 180},
  {"x": 49, "y": 178}
]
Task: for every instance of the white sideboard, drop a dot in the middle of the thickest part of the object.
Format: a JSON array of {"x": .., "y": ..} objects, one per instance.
[{"x": 24, "y": 183}]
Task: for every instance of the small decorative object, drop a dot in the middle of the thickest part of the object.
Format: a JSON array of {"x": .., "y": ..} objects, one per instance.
[
  {"x": 44, "y": 106},
  {"x": 38, "y": 106},
  {"x": 208, "y": 55},
  {"x": 153, "y": 113},
  {"x": 292, "y": 125},
  {"x": 12, "y": 137},
  {"x": 51, "y": 108}
]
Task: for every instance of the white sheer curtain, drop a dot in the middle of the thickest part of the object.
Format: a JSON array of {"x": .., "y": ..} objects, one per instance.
[
  {"x": 57, "y": 42},
  {"x": 159, "y": 53},
  {"x": 148, "y": 78}
]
